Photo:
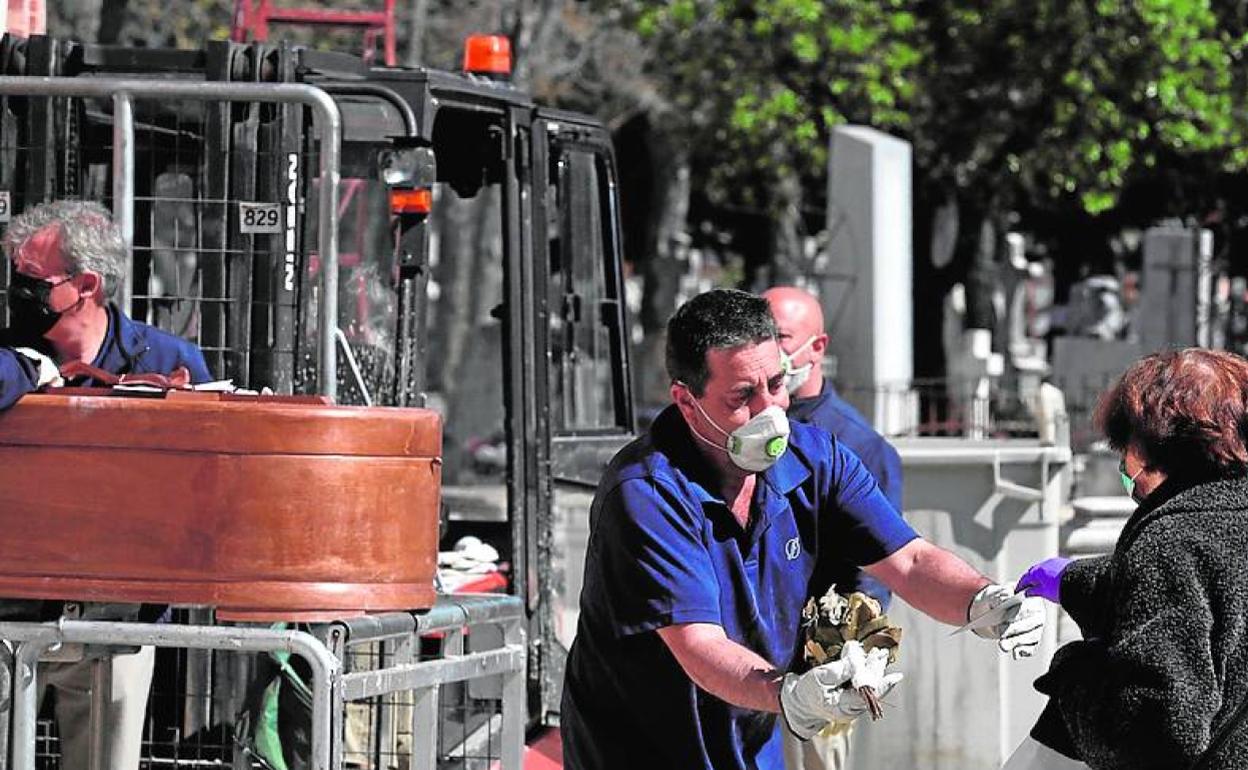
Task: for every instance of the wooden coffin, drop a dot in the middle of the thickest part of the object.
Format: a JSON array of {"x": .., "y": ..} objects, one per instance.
[{"x": 263, "y": 507}]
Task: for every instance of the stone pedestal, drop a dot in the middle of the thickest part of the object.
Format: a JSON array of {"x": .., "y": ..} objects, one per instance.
[
  {"x": 1099, "y": 475},
  {"x": 964, "y": 705},
  {"x": 1093, "y": 531},
  {"x": 1097, "y": 523}
]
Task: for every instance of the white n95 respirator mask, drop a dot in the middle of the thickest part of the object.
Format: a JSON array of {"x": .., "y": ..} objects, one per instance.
[
  {"x": 755, "y": 446},
  {"x": 795, "y": 377}
]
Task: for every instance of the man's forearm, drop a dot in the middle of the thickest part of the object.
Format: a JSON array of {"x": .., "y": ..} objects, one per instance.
[
  {"x": 930, "y": 579},
  {"x": 724, "y": 668}
]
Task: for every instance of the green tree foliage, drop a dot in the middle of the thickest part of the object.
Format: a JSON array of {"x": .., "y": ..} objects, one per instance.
[
  {"x": 1045, "y": 103},
  {"x": 1059, "y": 104},
  {"x": 760, "y": 84}
]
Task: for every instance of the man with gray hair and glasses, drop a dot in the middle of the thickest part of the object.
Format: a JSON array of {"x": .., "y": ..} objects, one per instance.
[{"x": 66, "y": 259}]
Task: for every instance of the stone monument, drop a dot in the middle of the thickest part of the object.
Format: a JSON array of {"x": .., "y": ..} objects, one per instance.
[{"x": 866, "y": 288}]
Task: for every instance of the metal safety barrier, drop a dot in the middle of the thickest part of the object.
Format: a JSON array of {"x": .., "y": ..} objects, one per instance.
[
  {"x": 386, "y": 677},
  {"x": 123, "y": 92}
]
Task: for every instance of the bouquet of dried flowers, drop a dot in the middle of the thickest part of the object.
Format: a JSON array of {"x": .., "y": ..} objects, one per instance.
[{"x": 832, "y": 619}]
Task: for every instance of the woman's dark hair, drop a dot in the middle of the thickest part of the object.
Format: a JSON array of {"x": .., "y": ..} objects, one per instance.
[
  {"x": 1185, "y": 411},
  {"x": 720, "y": 318}
]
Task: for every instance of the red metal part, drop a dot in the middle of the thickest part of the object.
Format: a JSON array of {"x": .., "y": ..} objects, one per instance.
[
  {"x": 545, "y": 752},
  {"x": 25, "y": 17},
  {"x": 252, "y": 20}
]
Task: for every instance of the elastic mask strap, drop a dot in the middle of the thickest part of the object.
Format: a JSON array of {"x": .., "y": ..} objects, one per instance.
[
  {"x": 707, "y": 441},
  {"x": 801, "y": 347},
  {"x": 786, "y": 359},
  {"x": 72, "y": 307},
  {"x": 694, "y": 431}
]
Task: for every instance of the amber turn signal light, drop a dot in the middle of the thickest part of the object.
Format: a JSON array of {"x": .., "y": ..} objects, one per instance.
[
  {"x": 487, "y": 55},
  {"x": 418, "y": 201}
]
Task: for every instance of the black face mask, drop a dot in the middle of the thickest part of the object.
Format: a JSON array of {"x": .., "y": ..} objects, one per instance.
[{"x": 28, "y": 304}]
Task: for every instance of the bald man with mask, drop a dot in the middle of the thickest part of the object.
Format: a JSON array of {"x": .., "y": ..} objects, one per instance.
[{"x": 813, "y": 400}]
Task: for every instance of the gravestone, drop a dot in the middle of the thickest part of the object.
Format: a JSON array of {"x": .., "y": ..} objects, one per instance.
[
  {"x": 1084, "y": 368},
  {"x": 866, "y": 287},
  {"x": 1175, "y": 278}
]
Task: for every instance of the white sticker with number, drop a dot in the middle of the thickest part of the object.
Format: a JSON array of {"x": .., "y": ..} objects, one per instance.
[
  {"x": 6, "y": 205},
  {"x": 256, "y": 218}
]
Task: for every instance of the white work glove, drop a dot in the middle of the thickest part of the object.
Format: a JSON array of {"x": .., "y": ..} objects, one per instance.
[
  {"x": 49, "y": 372},
  {"x": 1022, "y": 628},
  {"x": 810, "y": 701}
]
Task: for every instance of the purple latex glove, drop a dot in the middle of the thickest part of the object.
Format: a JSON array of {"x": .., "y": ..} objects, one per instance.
[{"x": 1044, "y": 579}]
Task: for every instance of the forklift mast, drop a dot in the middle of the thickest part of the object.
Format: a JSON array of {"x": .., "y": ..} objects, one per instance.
[
  {"x": 477, "y": 231},
  {"x": 252, "y": 21}
]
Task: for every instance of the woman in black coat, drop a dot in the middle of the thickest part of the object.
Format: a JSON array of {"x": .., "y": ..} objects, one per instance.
[{"x": 1162, "y": 670}]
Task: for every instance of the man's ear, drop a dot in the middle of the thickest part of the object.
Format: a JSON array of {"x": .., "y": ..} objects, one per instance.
[
  {"x": 819, "y": 345},
  {"x": 683, "y": 400},
  {"x": 90, "y": 285}
]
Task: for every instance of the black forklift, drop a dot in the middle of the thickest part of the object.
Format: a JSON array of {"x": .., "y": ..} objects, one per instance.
[{"x": 479, "y": 273}]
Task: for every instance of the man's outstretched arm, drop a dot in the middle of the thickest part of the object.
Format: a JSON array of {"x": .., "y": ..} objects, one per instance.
[
  {"x": 941, "y": 585},
  {"x": 930, "y": 579}
]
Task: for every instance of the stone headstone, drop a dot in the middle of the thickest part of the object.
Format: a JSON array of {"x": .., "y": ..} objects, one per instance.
[
  {"x": 1083, "y": 368},
  {"x": 1171, "y": 285},
  {"x": 866, "y": 290}
]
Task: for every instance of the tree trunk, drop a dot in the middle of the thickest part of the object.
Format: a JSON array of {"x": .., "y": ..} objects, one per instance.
[
  {"x": 532, "y": 28},
  {"x": 112, "y": 17},
  {"x": 452, "y": 316},
  {"x": 936, "y": 270},
  {"x": 416, "y": 33},
  {"x": 663, "y": 260},
  {"x": 787, "y": 263},
  {"x": 982, "y": 269},
  {"x": 666, "y": 257}
]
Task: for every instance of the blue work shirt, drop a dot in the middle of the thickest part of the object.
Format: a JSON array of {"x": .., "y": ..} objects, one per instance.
[
  {"x": 129, "y": 347},
  {"x": 832, "y": 413},
  {"x": 665, "y": 549}
]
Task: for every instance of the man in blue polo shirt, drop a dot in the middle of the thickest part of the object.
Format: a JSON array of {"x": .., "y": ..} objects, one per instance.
[
  {"x": 813, "y": 400},
  {"x": 704, "y": 537},
  {"x": 66, "y": 258}
]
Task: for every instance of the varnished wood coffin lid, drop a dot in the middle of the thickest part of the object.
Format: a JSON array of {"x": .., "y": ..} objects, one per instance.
[{"x": 263, "y": 508}]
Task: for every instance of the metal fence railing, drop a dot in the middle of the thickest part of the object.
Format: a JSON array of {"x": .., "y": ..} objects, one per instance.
[
  {"x": 440, "y": 689},
  {"x": 948, "y": 407},
  {"x": 986, "y": 408},
  {"x": 183, "y": 164}
]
